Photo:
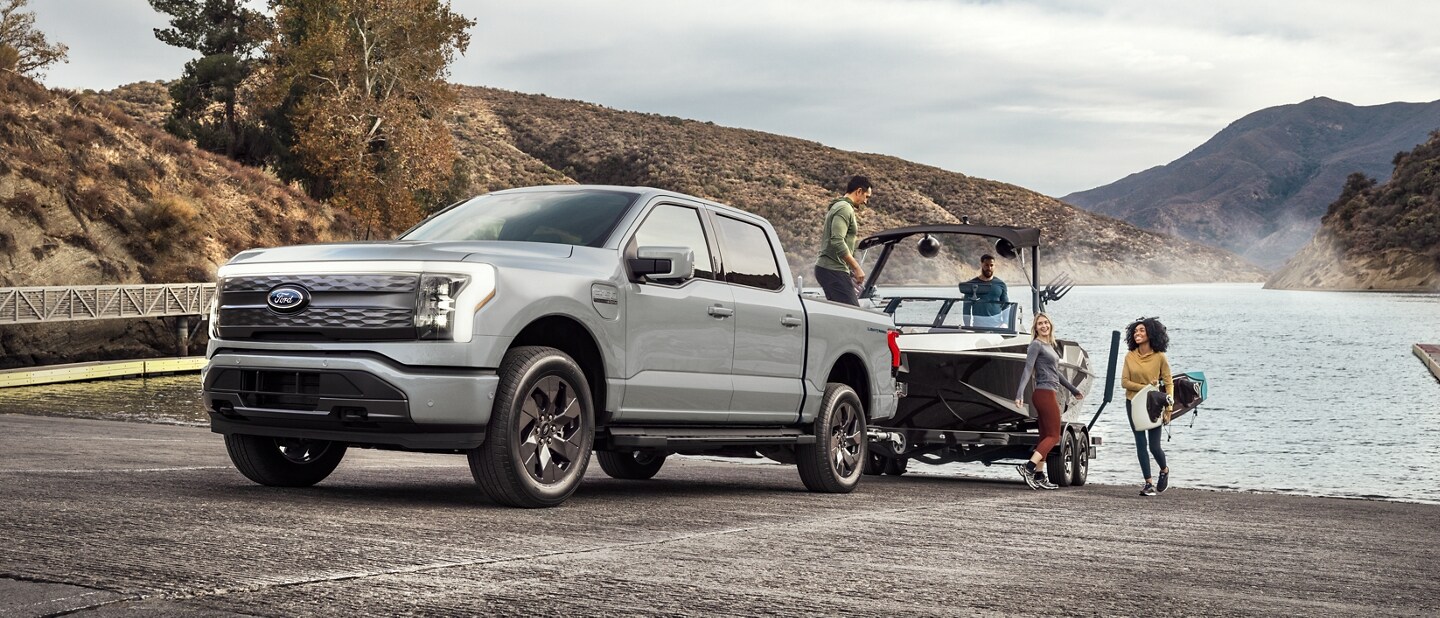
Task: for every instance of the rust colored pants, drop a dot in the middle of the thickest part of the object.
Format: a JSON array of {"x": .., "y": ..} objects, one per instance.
[{"x": 1049, "y": 417}]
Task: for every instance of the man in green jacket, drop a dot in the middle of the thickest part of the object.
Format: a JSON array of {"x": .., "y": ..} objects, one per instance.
[{"x": 837, "y": 271}]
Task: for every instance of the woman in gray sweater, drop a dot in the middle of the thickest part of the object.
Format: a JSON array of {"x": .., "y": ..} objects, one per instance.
[{"x": 1043, "y": 359}]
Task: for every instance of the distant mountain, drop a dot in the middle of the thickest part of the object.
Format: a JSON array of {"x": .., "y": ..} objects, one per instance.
[
  {"x": 1377, "y": 236},
  {"x": 1260, "y": 186}
]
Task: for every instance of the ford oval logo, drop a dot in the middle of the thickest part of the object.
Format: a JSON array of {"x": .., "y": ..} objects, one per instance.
[{"x": 288, "y": 299}]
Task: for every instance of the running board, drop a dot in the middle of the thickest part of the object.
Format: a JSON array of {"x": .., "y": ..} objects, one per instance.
[{"x": 678, "y": 438}]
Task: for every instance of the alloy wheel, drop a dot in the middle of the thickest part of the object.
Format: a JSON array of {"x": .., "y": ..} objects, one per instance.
[{"x": 549, "y": 431}]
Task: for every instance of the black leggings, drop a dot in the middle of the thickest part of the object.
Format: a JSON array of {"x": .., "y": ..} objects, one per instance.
[{"x": 1152, "y": 436}]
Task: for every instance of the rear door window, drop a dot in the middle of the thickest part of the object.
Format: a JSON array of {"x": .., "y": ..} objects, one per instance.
[{"x": 749, "y": 257}]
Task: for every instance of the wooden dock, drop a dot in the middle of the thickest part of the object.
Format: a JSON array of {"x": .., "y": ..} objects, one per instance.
[
  {"x": 1429, "y": 353},
  {"x": 79, "y": 372}
]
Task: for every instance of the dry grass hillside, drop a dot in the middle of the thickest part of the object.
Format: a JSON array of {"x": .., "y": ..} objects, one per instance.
[
  {"x": 790, "y": 181},
  {"x": 89, "y": 195}
]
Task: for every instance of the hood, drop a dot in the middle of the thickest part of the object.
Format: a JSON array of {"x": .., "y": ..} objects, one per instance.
[{"x": 404, "y": 250}]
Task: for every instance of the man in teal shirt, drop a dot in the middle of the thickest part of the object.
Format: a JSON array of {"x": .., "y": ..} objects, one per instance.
[
  {"x": 837, "y": 271},
  {"x": 986, "y": 298}
]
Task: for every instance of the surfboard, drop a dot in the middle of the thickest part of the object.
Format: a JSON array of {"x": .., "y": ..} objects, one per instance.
[{"x": 1139, "y": 417}]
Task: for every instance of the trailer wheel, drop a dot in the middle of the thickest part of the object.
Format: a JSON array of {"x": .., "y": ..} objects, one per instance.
[
  {"x": 895, "y": 466},
  {"x": 1060, "y": 465},
  {"x": 541, "y": 430},
  {"x": 833, "y": 464},
  {"x": 630, "y": 465},
  {"x": 1082, "y": 459}
]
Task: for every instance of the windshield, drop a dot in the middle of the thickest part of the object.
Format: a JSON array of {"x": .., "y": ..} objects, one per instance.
[
  {"x": 958, "y": 313},
  {"x": 562, "y": 217}
]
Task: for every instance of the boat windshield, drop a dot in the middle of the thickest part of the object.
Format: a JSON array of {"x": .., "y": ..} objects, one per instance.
[
  {"x": 566, "y": 217},
  {"x": 954, "y": 313}
]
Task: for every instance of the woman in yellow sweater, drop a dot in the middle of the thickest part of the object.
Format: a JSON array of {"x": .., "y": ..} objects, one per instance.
[{"x": 1146, "y": 364}]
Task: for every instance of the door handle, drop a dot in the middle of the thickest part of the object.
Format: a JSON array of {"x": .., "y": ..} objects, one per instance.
[
  {"x": 791, "y": 321},
  {"x": 720, "y": 311}
]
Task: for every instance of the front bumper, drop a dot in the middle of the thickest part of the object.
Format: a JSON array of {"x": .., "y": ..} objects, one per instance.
[{"x": 356, "y": 398}]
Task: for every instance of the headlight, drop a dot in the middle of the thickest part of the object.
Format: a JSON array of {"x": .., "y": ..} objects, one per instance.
[
  {"x": 213, "y": 314},
  {"x": 435, "y": 305}
]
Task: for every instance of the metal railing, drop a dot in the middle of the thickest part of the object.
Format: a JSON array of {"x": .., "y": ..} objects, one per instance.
[{"x": 103, "y": 302}]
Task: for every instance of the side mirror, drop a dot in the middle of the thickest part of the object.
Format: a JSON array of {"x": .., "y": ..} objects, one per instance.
[
  {"x": 663, "y": 263},
  {"x": 1006, "y": 249}
]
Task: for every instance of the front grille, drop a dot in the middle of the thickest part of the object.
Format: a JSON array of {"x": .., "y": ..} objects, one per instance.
[
  {"x": 342, "y": 307},
  {"x": 325, "y": 283},
  {"x": 321, "y": 317}
]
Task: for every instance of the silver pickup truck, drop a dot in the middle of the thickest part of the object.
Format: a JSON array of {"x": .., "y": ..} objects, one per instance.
[{"x": 526, "y": 328}]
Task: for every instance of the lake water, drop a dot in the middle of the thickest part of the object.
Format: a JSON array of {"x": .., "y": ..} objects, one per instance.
[{"x": 1310, "y": 392}]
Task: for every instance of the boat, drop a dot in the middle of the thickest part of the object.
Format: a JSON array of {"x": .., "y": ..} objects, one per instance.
[{"x": 963, "y": 357}]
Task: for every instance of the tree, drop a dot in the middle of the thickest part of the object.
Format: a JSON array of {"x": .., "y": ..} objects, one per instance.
[
  {"x": 363, "y": 86},
  {"x": 206, "y": 96},
  {"x": 23, "y": 49}
]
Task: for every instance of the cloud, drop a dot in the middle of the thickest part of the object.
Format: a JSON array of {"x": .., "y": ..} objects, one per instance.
[{"x": 1054, "y": 95}]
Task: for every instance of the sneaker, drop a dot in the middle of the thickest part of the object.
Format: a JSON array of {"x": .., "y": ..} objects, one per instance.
[
  {"x": 1044, "y": 483},
  {"x": 1149, "y": 490},
  {"x": 1163, "y": 483},
  {"x": 1027, "y": 475}
]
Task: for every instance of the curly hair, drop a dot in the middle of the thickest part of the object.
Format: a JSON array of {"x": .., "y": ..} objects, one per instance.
[{"x": 1154, "y": 330}]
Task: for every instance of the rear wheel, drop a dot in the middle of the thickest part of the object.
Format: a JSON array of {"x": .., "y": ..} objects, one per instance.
[
  {"x": 541, "y": 430},
  {"x": 874, "y": 464},
  {"x": 630, "y": 465},
  {"x": 1060, "y": 465},
  {"x": 833, "y": 464},
  {"x": 895, "y": 466},
  {"x": 284, "y": 462},
  {"x": 1082, "y": 459}
]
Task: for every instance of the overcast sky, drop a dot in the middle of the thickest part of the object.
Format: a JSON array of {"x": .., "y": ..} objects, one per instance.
[{"x": 1053, "y": 95}]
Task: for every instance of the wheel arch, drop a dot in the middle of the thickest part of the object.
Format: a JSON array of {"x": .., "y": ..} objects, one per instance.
[
  {"x": 850, "y": 371},
  {"x": 568, "y": 335}
]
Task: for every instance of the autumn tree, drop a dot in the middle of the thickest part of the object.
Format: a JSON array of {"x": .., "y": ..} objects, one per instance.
[
  {"x": 23, "y": 49},
  {"x": 205, "y": 107},
  {"x": 362, "y": 84}
]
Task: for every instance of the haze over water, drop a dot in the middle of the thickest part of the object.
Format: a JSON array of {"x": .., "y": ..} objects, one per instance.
[{"x": 1310, "y": 392}]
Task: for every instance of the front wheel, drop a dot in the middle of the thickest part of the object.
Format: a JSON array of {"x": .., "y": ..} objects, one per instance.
[
  {"x": 284, "y": 462},
  {"x": 541, "y": 430},
  {"x": 630, "y": 465},
  {"x": 834, "y": 463}
]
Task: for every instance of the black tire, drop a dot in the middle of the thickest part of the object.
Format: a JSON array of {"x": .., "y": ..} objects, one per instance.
[
  {"x": 833, "y": 464},
  {"x": 895, "y": 466},
  {"x": 1082, "y": 459},
  {"x": 874, "y": 464},
  {"x": 284, "y": 462},
  {"x": 541, "y": 430},
  {"x": 631, "y": 465},
  {"x": 1059, "y": 465}
]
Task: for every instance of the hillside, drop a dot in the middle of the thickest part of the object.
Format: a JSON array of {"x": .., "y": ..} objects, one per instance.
[
  {"x": 92, "y": 191},
  {"x": 90, "y": 196},
  {"x": 1377, "y": 237},
  {"x": 1260, "y": 186},
  {"x": 789, "y": 181}
]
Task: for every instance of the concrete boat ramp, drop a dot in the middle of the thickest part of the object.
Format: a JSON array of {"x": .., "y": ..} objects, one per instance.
[{"x": 103, "y": 518}]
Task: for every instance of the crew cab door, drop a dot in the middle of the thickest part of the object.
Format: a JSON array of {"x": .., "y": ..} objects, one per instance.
[
  {"x": 769, "y": 324},
  {"x": 680, "y": 333}
]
